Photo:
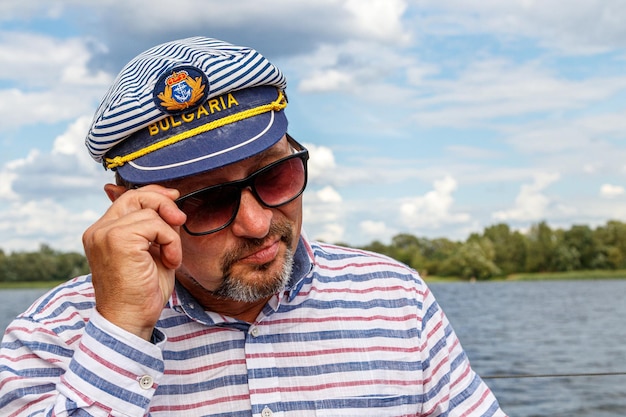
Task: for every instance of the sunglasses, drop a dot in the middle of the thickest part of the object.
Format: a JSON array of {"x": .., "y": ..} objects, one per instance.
[{"x": 214, "y": 208}]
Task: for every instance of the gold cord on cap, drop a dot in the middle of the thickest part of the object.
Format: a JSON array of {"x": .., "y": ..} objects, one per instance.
[{"x": 276, "y": 105}]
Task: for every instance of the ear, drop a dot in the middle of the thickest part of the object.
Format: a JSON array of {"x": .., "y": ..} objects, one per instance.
[{"x": 114, "y": 191}]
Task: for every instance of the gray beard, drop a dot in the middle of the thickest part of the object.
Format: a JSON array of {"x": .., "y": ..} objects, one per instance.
[{"x": 233, "y": 288}]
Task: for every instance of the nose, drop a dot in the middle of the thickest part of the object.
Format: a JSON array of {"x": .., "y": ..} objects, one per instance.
[{"x": 253, "y": 220}]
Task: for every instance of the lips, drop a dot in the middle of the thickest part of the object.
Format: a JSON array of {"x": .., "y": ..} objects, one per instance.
[{"x": 264, "y": 254}]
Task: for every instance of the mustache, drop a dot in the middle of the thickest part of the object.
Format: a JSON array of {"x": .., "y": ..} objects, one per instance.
[{"x": 244, "y": 247}]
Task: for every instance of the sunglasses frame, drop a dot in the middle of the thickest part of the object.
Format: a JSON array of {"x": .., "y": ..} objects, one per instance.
[{"x": 300, "y": 152}]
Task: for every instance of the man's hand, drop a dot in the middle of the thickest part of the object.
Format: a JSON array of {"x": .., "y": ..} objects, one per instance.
[{"x": 133, "y": 251}]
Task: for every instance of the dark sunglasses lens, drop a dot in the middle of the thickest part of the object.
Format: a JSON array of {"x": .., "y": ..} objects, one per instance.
[
  {"x": 281, "y": 183},
  {"x": 210, "y": 209},
  {"x": 214, "y": 208}
]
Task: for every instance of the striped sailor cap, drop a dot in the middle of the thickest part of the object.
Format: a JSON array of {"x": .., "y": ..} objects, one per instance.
[{"x": 188, "y": 106}]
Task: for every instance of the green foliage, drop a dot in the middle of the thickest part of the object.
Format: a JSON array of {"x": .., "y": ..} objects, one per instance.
[
  {"x": 540, "y": 248},
  {"x": 473, "y": 260},
  {"x": 499, "y": 251},
  {"x": 611, "y": 241},
  {"x": 43, "y": 265},
  {"x": 509, "y": 246}
]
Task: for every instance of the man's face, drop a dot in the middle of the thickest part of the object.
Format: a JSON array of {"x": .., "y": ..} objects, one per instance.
[{"x": 251, "y": 258}]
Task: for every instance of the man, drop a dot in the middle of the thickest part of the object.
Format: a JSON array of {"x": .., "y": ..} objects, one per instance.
[{"x": 204, "y": 297}]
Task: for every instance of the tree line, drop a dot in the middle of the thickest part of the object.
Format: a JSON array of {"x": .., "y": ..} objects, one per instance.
[
  {"x": 499, "y": 251},
  {"x": 496, "y": 252},
  {"x": 46, "y": 264}
]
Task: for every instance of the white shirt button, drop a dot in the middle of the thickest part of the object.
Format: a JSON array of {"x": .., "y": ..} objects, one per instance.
[
  {"x": 254, "y": 332},
  {"x": 267, "y": 412},
  {"x": 146, "y": 382}
]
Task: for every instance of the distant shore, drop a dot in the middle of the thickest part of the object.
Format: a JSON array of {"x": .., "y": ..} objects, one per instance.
[
  {"x": 29, "y": 285},
  {"x": 544, "y": 276},
  {"x": 535, "y": 276}
]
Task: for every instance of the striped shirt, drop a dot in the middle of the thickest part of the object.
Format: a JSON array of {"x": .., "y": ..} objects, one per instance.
[{"x": 354, "y": 334}]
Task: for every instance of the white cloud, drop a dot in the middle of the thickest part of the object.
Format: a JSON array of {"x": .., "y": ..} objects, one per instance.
[
  {"x": 326, "y": 80},
  {"x": 434, "y": 208},
  {"x": 6, "y": 179},
  {"x": 72, "y": 143},
  {"x": 66, "y": 170},
  {"x": 586, "y": 134},
  {"x": 52, "y": 197},
  {"x": 572, "y": 26},
  {"x": 33, "y": 60},
  {"x": 324, "y": 218},
  {"x": 589, "y": 168},
  {"x": 49, "y": 79},
  {"x": 360, "y": 68},
  {"x": 331, "y": 233},
  {"x": 322, "y": 207},
  {"x": 473, "y": 152},
  {"x": 25, "y": 225},
  {"x": 380, "y": 19},
  {"x": 321, "y": 162},
  {"x": 495, "y": 88},
  {"x": 611, "y": 191},
  {"x": 9, "y": 174},
  {"x": 10, "y": 10},
  {"x": 531, "y": 203},
  {"x": 417, "y": 76},
  {"x": 328, "y": 195},
  {"x": 19, "y": 108},
  {"x": 376, "y": 230}
]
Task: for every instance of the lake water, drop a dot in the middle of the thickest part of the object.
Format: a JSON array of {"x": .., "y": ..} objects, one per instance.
[{"x": 520, "y": 329}]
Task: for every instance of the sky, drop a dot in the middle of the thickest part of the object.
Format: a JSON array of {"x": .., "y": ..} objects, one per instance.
[{"x": 436, "y": 118}]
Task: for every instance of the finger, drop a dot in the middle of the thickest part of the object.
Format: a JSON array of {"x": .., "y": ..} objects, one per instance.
[
  {"x": 145, "y": 230},
  {"x": 167, "y": 248},
  {"x": 153, "y": 197}
]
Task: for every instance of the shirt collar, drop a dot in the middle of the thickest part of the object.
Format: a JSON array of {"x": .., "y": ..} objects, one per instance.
[{"x": 302, "y": 265}]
